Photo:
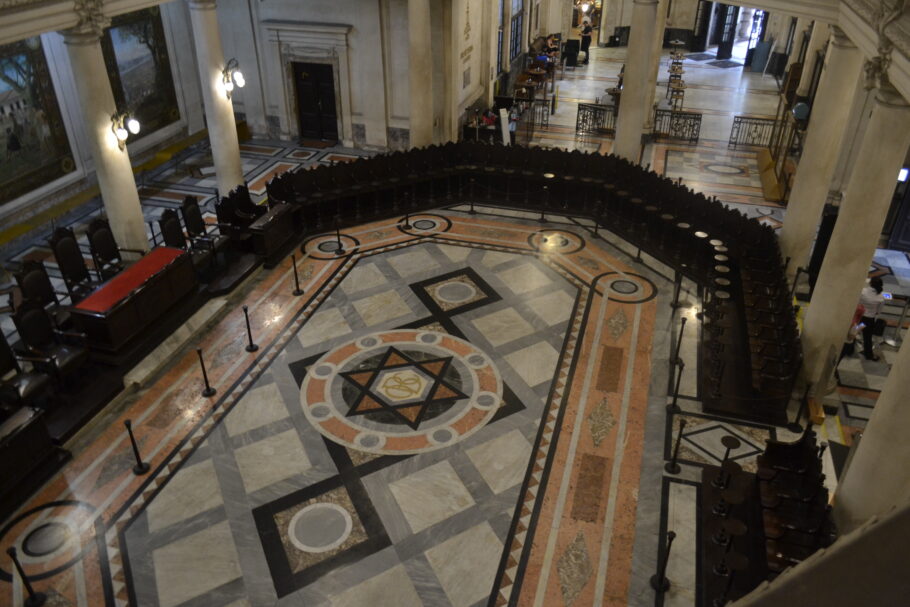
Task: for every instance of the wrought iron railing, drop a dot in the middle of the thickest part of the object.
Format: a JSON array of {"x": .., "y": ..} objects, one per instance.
[
  {"x": 751, "y": 131},
  {"x": 676, "y": 126},
  {"x": 595, "y": 118}
]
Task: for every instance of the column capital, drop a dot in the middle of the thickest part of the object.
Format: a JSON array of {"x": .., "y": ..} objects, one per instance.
[
  {"x": 888, "y": 96},
  {"x": 840, "y": 39},
  {"x": 201, "y": 5},
  {"x": 91, "y": 24}
]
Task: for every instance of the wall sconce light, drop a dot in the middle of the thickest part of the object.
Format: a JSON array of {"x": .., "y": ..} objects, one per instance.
[
  {"x": 231, "y": 76},
  {"x": 122, "y": 124}
]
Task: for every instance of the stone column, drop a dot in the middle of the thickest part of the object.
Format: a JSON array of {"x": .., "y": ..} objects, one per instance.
[
  {"x": 420, "y": 72},
  {"x": 823, "y": 142},
  {"x": 219, "y": 111},
  {"x": 631, "y": 119},
  {"x": 609, "y": 15},
  {"x": 867, "y": 198},
  {"x": 112, "y": 165},
  {"x": 878, "y": 476},
  {"x": 656, "y": 64},
  {"x": 820, "y": 35},
  {"x": 744, "y": 27}
]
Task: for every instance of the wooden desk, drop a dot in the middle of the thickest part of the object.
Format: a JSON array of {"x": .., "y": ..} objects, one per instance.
[
  {"x": 272, "y": 231},
  {"x": 134, "y": 299}
]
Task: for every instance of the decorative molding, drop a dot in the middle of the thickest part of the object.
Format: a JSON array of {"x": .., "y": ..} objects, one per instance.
[
  {"x": 90, "y": 15},
  {"x": 876, "y": 68}
]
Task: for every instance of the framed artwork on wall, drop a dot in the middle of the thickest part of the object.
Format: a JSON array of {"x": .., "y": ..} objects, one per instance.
[
  {"x": 34, "y": 149},
  {"x": 139, "y": 67}
]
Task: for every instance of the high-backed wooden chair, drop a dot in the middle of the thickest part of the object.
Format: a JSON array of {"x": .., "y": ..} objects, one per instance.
[
  {"x": 35, "y": 285},
  {"x": 71, "y": 263},
  {"x": 51, "y": 350},
  {"x": 105, "y": 252},
  {"x": 19, "y": 388}
]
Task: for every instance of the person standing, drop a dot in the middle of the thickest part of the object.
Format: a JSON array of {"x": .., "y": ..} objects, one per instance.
[
  {"x": 871, "y": 299},
  {"x": 586, "y": 31}
]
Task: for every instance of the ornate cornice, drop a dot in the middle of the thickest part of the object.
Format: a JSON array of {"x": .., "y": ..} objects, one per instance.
[{"x": 884, "y": 17}]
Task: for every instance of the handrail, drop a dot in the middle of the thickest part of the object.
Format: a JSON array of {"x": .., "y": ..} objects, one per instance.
[{"x": 751, "y": 131}]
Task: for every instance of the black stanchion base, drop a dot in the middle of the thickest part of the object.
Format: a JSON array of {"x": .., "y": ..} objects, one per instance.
[
  {"x": 660, "y": 585},
  {"x": 297, "y": 292},
  {"x": 672, "y": 468},
  {"x": 36, "y": 600},
  {"x": 541, "y": 219},
  {"x": 671, "y": 408},
  {"x": 339, "y": 251},
  {"x": 795, "y": 428},
  {"x": 251, "y": 348},
  {"x": 209, "y": 392},
  {"x": 140, "y": 469}
]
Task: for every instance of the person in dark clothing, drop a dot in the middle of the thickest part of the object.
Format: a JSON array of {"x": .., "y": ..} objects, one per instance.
[
  {"x": 586, "y": 31},
  {"x": 13, "y": 145}
]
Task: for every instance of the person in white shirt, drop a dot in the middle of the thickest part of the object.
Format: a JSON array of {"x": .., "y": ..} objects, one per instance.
[{"x": 871, "y": 299}]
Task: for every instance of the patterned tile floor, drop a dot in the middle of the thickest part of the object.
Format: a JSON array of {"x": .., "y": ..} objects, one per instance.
[{"x": 332, "y": 469}]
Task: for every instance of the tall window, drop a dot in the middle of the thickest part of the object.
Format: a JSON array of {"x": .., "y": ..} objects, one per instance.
[{"x": 518, "y": 13}]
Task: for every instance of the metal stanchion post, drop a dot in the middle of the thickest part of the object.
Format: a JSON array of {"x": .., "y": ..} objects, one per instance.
[
  {"x": 672, "y": 467},
  {"x": 141, "y": 467},
  {"x": 250, "y": 347},
  {"x": 34, "y": 599},
  {"x": 297, "y": 291},
  {"x": 659, "y": 581},
  {"x": 209, "y": 390}
]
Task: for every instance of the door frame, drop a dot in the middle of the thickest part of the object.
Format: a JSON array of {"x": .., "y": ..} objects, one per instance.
[{"x": 297, "y": 42}]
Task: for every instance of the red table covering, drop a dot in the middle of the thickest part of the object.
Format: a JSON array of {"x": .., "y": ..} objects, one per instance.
[{"x": 117, "y": 288}]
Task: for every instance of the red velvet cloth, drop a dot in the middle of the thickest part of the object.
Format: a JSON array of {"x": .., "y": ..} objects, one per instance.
[{"x": 120, "y": 286}]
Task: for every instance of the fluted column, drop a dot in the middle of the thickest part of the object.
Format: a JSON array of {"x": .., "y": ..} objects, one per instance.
[
  {"x": 219, "y": 110},
  {"x": 637, "y": 82},
  {"x": 420, "y": 72},
  {"x": 823, "y": 141},
  {"x": 820, "y": 34},
  {"x": 867, "y": 198},
  {"x": 878, "y": 476},
  {"x": 802, "y": 25},
  {"x": 97, "y": 107}
]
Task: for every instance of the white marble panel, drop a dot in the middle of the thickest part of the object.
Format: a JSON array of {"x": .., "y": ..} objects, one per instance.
[
  {"x": 270, "y": 460},
  {"x": 456, "y": 254},
  {"x": 494, "y": 258},
  {"x": 502, "y": 461},
  {"x": 681, "y": 519},
  {"x": 192, "y": 490},
  {"x": 503, "y": 326},
  {"x": 534, "y": 364},
  {"x": 412, "y": 262},
  {"x": 552, "y": 308},
  {"x": 523, "y": 278},
  {"x": 324, "y": 325},
  {"x": 391, "y": 587},
  {"x": 381, "y": 307},
  {"x": 258, "y": 407},
  {"x": 466, "y": 564},
  {"x": 431, "y": 495},
  {"x": 363, "y": 276},
  {"x": 195, "y": 564}
]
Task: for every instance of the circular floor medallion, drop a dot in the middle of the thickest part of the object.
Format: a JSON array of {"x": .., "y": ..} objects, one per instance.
[
  {"x": 626, "y": 287},
  {"x": 46, "y": 539},
  {"x": 400, "y": 392},
  {"x": 328, "y": 246},
  {"x": 725, "y": 169},
  {"x": 424, "y": 224},
  {"x": 455, "y": 292},
  {"x": 320, "y": 527}
]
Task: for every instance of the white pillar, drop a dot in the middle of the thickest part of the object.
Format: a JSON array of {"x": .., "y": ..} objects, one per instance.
[
  {"x": 867, "y": 198},
  {"x": 609, "y": 15},
  {"x": 744, "y": 27},
  {"x": 878, "y": 476},
  {"x": 420, "y": 73},
  {"x": 631, "y": 119},
  {"x": 656, "y": 64},
  {"x": 820, "y": 35},
  {"x": 112, "y": 165},
  {"x": 843, "y": 65},
  {"x": 219, "y": 111}
]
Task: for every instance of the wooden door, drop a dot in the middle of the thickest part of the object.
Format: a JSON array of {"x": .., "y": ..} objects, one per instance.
[
  {"x": 317, "y": 116},
  {"x": 725, "y": 30}
]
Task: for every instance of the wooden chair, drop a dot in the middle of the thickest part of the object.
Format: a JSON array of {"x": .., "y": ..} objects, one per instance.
[
  {"x": 105, "y": 252},
  {"x": 71, "y": 263},
  {"x": 51, "y": 350},
  {"x": 197, "y": 229},
  {"x": 23, "y": 388},
  {"x": 35, "y": 285},
  {"x": 173, "y": 236}
]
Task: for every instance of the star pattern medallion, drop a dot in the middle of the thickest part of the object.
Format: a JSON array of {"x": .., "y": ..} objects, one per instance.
[{"x": 403, "y": 386}]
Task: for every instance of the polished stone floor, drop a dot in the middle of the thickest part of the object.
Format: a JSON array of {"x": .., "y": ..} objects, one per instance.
[{"x": 470, "y": 412}]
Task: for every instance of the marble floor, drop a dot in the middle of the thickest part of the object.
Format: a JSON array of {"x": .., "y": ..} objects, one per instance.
[{"x": 471, "y": 412}]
